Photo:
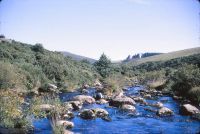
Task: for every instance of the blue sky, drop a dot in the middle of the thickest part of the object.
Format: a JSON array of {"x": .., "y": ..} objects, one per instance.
[{"x": 116, "y": 27}]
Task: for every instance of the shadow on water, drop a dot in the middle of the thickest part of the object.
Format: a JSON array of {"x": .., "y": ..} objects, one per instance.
[{"x": 142, "y": 121}]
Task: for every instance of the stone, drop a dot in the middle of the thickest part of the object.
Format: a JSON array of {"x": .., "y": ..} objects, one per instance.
[
  {"x": 87, "y": 114},
  {"x": 102, "y": 101},
  {"x": 119, "y": 101},
  {"x": 147, "y": 96},
  {"x": 84, "y": 99},
  {"x": 129, "y": 108},
  {"x": 66, "y": 124},
  {"x": 164, "y": 111},
  {"x": 99, "y": 112},
  {"x": 158, "y": 105},
  {"x": 46, "y": 107},
  {"x": 188, "y": 109},
  {"x": 76, "y": 105}
]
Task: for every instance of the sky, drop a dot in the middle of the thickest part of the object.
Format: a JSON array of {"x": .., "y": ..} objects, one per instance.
[{"x": 117, "y": 28}]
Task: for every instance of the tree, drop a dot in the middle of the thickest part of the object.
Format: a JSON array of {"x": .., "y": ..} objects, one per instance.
[
  {"x": 38, "y": 48},
  {"x": 103, "y": 66}
]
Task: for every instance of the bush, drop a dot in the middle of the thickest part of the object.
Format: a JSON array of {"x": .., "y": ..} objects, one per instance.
[{"x": 194, "y": 94}]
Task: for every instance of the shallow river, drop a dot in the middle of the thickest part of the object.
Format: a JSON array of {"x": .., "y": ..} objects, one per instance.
[{"x": 141, "y": 121}]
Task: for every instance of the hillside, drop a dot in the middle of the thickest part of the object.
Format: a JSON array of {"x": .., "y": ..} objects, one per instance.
[
  {"x": 28, "y": 67},
  {"x": 77, "y": 57},
  {"x": 167, "y": 56}
]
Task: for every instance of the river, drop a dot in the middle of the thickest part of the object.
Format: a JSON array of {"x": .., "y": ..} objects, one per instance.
[{"x": 140, "y": 122}]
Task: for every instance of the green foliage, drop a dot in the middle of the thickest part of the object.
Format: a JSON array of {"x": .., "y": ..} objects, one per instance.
[
  {"x": 37, "y": 66},
  {"x": 103, "y": 66},
  {"x": 185, "y": 79}
]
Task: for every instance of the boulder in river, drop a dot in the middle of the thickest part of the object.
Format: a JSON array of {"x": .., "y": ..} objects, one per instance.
[
  {"x": 128, "y": 108},
  {"x": 68, "y": 115},
  {"x": 87, "y": 114},
  {"x": 188, "y": 109},
  {"x": 84, "y": 99},
  {"x": 66, "y": 124},
  {"x": 139, "y": 99},
  {"x": 99, "y": 112},
  {"x": 76, "y": 104},
  {"x": 102, "y": 101},
  {"x": 119, "y": 101},
  {"x": 158, "y": 105},
  {"x": 164, "y": 111}
]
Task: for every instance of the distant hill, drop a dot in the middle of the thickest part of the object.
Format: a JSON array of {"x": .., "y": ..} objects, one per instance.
[
  {"x": 77, "y": 57},
  {"x": 167, "y": 56}
]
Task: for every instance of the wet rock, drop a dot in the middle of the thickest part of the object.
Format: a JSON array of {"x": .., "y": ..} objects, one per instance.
[
  {"x": 99, "y": 112},
  {"x": 188, "y": 109},
  {"x": 84, "y": 99},
  {"x": 87, "y": 114},
  {"x": 119, "y": 101},
  {"x": 76, "y": 104},
  {"x": 66, "y": 124},
  {"x": 147, "y": 96},
  {"x": 164, "y": 111},
  {"x": 102, "y": 101},
  {"x": 139, "y": 99},
  {"x": 99, "y": 96},
  {"x": 129, "y": 108},
  {"x": 125, "y": 88},
  {"x": 158, "y": 105}
]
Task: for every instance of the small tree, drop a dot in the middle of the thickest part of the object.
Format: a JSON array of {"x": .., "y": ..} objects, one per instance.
[
  {"x": 103, "y": 66},
  {"x": 38, "y": 48}
]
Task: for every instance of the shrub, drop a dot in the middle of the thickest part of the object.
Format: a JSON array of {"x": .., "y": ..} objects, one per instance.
[{"x": 194, "y": 94}]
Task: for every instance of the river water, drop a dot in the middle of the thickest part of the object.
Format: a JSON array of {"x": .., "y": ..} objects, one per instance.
[{"x": 140, "y": 122}]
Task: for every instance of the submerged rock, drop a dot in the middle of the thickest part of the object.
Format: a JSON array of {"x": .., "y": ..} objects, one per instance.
[
  {"x": 119, "y": 101},
  {"x": 164, "y": 111},
  {"x": 84, "y": 91},
  {"x": 128, "y": 108},
  {"x": 84, "y": 99},
  {"x": 188, "y": 109}
]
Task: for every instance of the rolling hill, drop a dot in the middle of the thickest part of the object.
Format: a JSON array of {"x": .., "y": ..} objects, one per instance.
[
  {"x": 167, "y": 56},
  {"x": 77, "y": 57}
]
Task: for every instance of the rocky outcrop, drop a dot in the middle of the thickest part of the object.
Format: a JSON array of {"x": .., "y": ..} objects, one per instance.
[
  {"x": 66, "y": 124},
  {"x": 164, "y": 111},
  {"x": 188, "y": 109},
  {"x": 84, "y": 99},
  {"x": 128, "y": 108},
  {"x": 87, "y": 114},
  {"x": 119, "y": 101}
]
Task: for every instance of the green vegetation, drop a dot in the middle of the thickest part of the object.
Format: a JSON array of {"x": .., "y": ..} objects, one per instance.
[{"x": 27, "y": 68}]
